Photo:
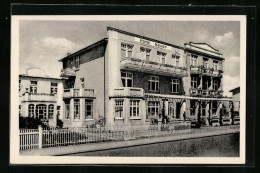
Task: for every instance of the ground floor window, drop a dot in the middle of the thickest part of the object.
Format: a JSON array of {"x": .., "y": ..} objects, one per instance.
[
  {"x": 171, "y": 109},
  {"x": 214, "y": 107},
  {"x": 134, "y": 108},
  {"x": 88, "y": 109},
  {"x": 50, "y": 111},
  {"x": 119, "y": 108},
  {"x": 58, "y": 112},
  {"x": 41, "y": 111},
  {"x": 67, "y": 111},
  {"x": 76, "y": 109},
  {"x": 153, "y": 108},
  {"x": 192, "y": 108},
  {"x": 31, "y": 110},
  {"x": 203, "y": 108}
]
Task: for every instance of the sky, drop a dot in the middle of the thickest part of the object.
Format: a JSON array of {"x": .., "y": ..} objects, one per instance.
[{"x": 43, "y": 43}]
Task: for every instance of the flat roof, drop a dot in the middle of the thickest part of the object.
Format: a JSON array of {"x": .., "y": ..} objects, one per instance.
[
  {"x": 42, "y": 77},
  {"x": 143, "y": 37}
]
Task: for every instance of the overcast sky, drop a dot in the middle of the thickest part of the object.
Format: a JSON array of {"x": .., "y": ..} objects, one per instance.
[{"x": 43, "y": 43}]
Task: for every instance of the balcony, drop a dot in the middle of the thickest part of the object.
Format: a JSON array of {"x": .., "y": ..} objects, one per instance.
[
  {"x": 39, "y": 97},
  {"x": 205, "y": 71},
  {"x": 68, "y": 72},
  {"x": 68, "y": 93},
  {"x": 212, "y": 72},
  {"x": 197, "y": 92},
  {"x": 128, "y": 92},
  {"x": 196, "y": 69},
  {"x": 152, "y": 67}
]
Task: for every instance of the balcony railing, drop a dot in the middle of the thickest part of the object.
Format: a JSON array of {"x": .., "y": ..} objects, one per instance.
[
  {"x": 68, "y": 72},
  {"x": 78, "y": 93},
  {"x": 205, "y": 92},
  {"x": 39, "y": 97},
  {"x": 195, "y": 92},
  {"x": 152, "y": 67},
  {"x": 199, "y": 69},
  {"x": 128, "y": 92}
]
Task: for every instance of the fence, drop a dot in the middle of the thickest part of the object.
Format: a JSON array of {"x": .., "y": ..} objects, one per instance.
[
  {"x": 41, "y": 138},
  {"x": 29, "y": 139}
]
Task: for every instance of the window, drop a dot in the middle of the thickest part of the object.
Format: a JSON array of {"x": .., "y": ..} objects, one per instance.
[
  {"x": 134, "y": 108},
  {"x": 77, "y": 64},
  {"x": 153, "y": 108},
  {"x": 175, "y": 85},
  {"x": 205, "y": 62},
  {"x": 119, "y": 108},
  {"x": 161, "y": 56},
  {"x": 193, "y": 60},
  {"x": 88, "y": 109},
  {"x": 176, "y": 60},
  {"x": 194, "y": 82},
  {"x": 192, "y": 108},
  {"x": 19, "y": 85},
  {"x": 41, "y": 111},
  {"x": 76, "y": 109},
  {"x": 206, "y": 84},
  {"x": 126, "y": 50},
  {"x": 171, "y": 109},
  {"x": 203, "y": 108},
  {"x": 153, "y": 83},
  {"x": 54, "y": 88},
  {"x": 67, "y": 111},
  {"x": 50, "y": 111},
  {"x": 215, "y": 85},
  {"x": 214, "y": 107},
  {"x": 215, "y": 65},
  {"x": 146, "y": 52},
  {"x": 58, "y": 112},
  {"x": 31, "y": 110},
  {"x": 127, "y": 79},
  {"x": 33, "y": 87}
]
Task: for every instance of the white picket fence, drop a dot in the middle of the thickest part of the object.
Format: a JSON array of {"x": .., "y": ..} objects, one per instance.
[
  {"x": 29, "y": 139},
  {"x": 41, "y": 138}
]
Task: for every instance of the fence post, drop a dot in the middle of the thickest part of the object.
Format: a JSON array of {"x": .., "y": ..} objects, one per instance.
[
  {"x": 40, "y": 136},
  {"x": 159, "y": 124}
]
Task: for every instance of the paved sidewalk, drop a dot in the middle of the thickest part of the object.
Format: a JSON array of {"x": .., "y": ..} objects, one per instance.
[{"x": 180, "y": 135}]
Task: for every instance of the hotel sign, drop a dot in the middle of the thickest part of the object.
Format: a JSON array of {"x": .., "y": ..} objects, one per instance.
[{"x": 147, "y": 42}]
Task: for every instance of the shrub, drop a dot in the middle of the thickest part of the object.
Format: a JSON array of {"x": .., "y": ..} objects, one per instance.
[
  {"x": 153, "y": 121},
  {"x": 32, "y": 123},
  {"x": 59, "y": 123}
]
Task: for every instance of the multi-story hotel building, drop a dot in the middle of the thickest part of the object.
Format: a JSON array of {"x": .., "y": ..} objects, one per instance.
[
  {"x": 40, "y": 96},
  {"x": 129, "y": 79}
]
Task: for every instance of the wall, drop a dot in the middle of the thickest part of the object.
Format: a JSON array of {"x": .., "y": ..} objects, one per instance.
[
  {"x": 93, "y": 74},
  {"x": 87, "y": 56},
  {"x": 44, "y": 85},
  {"x": 236, "y": 97}
]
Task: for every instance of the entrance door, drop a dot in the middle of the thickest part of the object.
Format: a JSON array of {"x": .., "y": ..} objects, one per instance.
[
  {"x": 41, "y": 111},
  {"x": 178, "y": 110}
]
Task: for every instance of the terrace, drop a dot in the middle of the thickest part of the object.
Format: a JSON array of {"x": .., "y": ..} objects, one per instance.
[
  {"x": 68, "y": 93},
  {"x": 136, "y": 64}
]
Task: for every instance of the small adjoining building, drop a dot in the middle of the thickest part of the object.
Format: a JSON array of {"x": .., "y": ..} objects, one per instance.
[
  {"x": 40, "y": 96},
  {"x": 235, "y": 107}
]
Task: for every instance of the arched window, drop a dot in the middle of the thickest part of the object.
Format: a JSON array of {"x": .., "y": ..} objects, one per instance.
[
  {"x": 31, "y": 110},
  {"x": 41, "y": 111},
  {"x": 50, "y": 111}
]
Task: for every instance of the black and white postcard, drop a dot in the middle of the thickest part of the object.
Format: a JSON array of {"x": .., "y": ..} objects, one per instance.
[{"x": 119, "y": 89}]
